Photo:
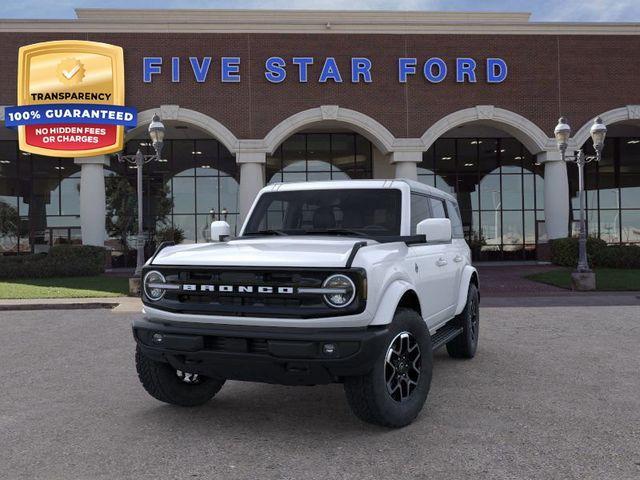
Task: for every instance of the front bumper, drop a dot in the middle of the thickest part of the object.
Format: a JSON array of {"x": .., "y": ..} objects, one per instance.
[{"x": 288, "y": 356}]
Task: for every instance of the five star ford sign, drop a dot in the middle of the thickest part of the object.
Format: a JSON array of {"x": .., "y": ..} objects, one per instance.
[{"x": 71, "y": 99}]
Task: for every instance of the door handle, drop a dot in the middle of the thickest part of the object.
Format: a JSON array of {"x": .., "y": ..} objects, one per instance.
[
  {"x": 457, "y": 258},
  {"x": 441, "y": 262}
]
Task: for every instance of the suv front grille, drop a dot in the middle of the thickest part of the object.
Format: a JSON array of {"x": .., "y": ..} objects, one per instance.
[{"x": 254, "y": 293}]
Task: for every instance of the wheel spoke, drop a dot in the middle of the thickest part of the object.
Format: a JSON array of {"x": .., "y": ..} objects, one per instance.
[{"x": 402, "y": 366}]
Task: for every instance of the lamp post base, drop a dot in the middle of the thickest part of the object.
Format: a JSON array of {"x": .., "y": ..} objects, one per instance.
[
  {"x": 134, "y": 286},
  {"x": 583, "y": 281}
]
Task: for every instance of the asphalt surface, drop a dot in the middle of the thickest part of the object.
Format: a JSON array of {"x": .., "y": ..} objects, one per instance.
[{"x": 553, "y": 393}]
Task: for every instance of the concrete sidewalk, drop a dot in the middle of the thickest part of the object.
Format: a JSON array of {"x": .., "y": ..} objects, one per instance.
[
  {"x": 134, "y": 305},
  {"x": 118, "y": 304}
]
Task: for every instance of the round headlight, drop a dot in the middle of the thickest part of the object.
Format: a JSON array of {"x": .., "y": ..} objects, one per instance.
[
  {"x": 151, "y": 278},
  {"x": 345, "y": 291}
]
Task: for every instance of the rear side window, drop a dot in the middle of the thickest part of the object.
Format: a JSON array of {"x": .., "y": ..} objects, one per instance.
[
  {"x": 437, "y": 207},
  {"x": 456, "y": 220},
  {"x": 419, "y": 210}
]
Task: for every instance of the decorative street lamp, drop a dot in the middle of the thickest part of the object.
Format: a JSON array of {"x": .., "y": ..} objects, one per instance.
[
  {"x": 562, "y": 133},
  {"x": 156, "y": 133}
]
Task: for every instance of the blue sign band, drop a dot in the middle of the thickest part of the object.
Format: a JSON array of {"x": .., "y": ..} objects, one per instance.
[{"x": 70, "y": 113}]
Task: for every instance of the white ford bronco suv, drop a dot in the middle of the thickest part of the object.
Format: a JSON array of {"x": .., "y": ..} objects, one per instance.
[{"x": 353, "y": 281}]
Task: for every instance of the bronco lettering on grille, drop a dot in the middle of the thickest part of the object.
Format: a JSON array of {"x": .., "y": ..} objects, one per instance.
[{"x": 191, "y": 287}]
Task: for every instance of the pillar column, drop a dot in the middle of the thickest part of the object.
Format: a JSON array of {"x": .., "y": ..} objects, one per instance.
[
  {"x": 93, "y": 209},
  {"x": 556, "y": 194},
  {"x": 406, "y": 164},
  {"x": 251, "y": 179}
]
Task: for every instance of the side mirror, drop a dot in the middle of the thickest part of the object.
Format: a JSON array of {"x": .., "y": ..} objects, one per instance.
[
  {"x": 220, "y": 231},
  {"x": 435, "y": 229}
]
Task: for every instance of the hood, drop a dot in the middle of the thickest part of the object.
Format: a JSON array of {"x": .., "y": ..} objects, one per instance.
[{"x": 290, "y": 251}]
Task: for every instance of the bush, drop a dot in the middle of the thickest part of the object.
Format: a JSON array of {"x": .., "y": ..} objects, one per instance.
[
  {"x": 618, "y": 256},
  {"x": 564, "y": 252},
  {"x": 169, "y": 234},
  {"x": 61, "y": 261}
]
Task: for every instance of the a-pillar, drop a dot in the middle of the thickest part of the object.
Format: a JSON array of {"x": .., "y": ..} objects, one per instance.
[
  {"x": 92, "y": 199},
  {"x": 406, "y": 164},
  {"x": 251, "y": 179},
  {"x": 556, "y": 194}
]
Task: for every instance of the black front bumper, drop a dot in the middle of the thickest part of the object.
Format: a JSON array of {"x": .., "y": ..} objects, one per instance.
[{"x": 287, "y": 356}]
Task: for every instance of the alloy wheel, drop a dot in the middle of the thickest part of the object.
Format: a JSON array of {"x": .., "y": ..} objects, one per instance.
[{"x": 402, "y": 366}]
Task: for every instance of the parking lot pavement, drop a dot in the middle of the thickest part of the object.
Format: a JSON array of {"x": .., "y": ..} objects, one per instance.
[{"x": 553, "y": 393}]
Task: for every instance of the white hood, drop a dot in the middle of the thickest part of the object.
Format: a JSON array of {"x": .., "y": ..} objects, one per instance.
[{"x": 289, "y": 251}]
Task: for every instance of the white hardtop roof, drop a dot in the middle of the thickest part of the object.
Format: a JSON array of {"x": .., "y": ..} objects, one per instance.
[{"x": 346, "y": 184}]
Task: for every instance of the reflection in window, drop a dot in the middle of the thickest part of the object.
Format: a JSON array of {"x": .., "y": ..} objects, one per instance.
[
  {"x": 320, "y": 156},
  {"x": 197, "y": 179},
  {"x": 499, "y": 190},
  {"x": 612, "y": 191}
]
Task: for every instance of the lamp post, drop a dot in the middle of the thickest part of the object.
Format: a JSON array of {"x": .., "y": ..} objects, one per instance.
[
  {"x": 156, "y": 133},
  {"x": 562, "y": 133}
]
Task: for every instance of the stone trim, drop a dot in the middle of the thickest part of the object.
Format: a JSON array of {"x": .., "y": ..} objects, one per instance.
[
  {"x": 200, "y": 120},
  {"x": 382, "y": 138},
  {"x": 532, "y": 136},
  {"x": 628, "y": 112},
  {"x": 301, "y": 21}
]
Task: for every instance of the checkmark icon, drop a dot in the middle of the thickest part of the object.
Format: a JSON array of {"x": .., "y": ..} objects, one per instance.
[{"x": 71, "y": 73}]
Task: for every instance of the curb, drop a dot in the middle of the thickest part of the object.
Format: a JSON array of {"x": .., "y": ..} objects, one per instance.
[{"x": 7, "y": 307}]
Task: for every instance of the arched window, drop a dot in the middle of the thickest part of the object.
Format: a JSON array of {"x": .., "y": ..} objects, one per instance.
[
  {"x": 320, "y": 156},
  {"x": 499, "y": 190}
]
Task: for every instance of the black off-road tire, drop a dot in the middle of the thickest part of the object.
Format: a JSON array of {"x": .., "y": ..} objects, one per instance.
[
  {"x": 162, "y": 382},
  {"x": 466, "y": 344},
  {"x": 368, "y": 395}
]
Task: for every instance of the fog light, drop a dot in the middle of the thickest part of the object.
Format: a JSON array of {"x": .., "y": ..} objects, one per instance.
[
  {"x": 329, "y": 348},
  {"x": 157, "y": 338}
]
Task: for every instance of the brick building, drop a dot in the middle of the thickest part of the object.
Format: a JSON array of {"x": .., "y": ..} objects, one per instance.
[{"x": 463, "y": 101}]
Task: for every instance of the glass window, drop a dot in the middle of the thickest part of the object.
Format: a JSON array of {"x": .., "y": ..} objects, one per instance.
[
  {"x": 437, "y": 208},
  {"x": 426, "y": 166},
  {"x": 445, "y": 157},
  {"x": 467, "y": 156},
  {"x": 512, "y": 192},
  {"x": 183, "y": 190},
  {"x": 456, "y": 220},
  {"x": 630, "y": 190},
  {"x": 512, "y": 228},
  {"x": 8, "y": 159},
  {"x": 630, "y": 220},
  {"x": 419, "y": 210},
  {"x": 186, "y": 223},
  {"x": 511, "y": 155},
  {"x": 320, "y": 156},
  {"x": 629, "y": 155},
  {"x": 369, "y": 211},
  {"x": 491, "y": 228},
  {"x": 467, "y": 192},
  {"x": 70, "y": 196},
  {"x": 184, "y": 152},
  {"x": 488, "y": 149},
  {"x": 294, "y": 154},
  {"x": 207, "y": 195},
  {"x": 319, "y": 152},
  {"x": 342, "y": 152},
  {"x": 490, "y": 197},
  {"x": 610, "y": 226}
]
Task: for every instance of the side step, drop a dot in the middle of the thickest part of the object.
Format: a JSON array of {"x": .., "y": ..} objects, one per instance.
[{"x": 445, "y": 335}]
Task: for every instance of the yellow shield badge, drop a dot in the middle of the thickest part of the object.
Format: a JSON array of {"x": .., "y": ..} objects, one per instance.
[{"x": 71, "y": 99}]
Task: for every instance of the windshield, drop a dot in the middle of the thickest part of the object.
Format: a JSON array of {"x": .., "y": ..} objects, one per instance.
[{"x": 356, "y": 212}]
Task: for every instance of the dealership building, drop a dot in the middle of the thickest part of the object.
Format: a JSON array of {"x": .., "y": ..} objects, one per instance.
[{"x": 466, "y": 102}]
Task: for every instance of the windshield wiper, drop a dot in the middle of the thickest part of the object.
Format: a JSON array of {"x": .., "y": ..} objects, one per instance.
[
  {"x": 266, "y": 232},
  {"x": 337, "y": 231}
]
